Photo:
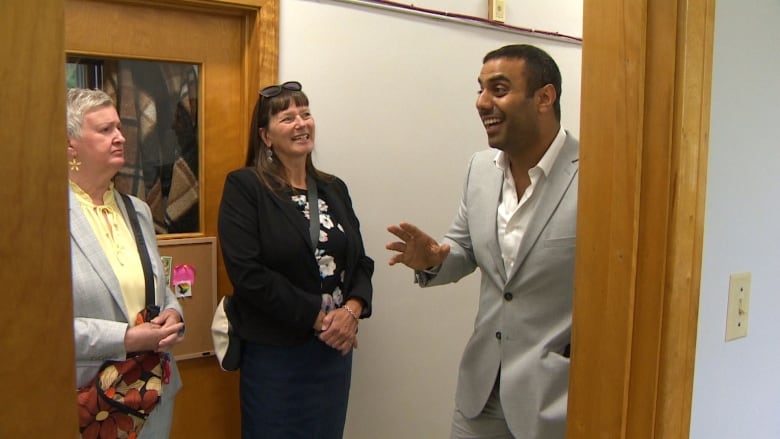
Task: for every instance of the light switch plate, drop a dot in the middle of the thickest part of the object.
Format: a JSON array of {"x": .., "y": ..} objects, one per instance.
[
  {"x": 497, "y": 10},
  {"x": 739, "y": 304}
]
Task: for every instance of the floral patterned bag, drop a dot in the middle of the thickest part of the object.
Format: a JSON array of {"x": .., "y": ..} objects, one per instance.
[
  {"x": 119, "y": 399},
  {"x": 116, "y": 403}
]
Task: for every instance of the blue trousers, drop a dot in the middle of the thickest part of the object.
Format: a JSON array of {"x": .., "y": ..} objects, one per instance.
[{"x": 291, "y": 392}]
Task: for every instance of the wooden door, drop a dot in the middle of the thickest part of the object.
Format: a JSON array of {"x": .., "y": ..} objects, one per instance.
[{"x": 235, "y": 45}]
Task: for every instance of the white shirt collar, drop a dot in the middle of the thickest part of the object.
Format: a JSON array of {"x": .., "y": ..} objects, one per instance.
[{"x": 547, "y": 160}]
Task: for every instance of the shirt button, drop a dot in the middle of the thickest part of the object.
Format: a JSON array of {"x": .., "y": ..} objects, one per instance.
[
  {"x": 508, "y": 296},
  {"x": 498, "y": 335}
]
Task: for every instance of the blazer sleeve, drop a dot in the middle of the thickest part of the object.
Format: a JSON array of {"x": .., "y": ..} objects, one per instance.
[
  {"x": 99, "y": 339},
  {"x": 242, "y": 221}
]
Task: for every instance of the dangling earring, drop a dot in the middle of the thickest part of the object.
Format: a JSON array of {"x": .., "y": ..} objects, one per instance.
[
  {"x": 74, "y": 164},
  {"x": 269, "y": 154}
]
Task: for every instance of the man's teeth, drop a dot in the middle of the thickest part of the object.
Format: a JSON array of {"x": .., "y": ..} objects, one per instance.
[{"x": 491, "y": 121}]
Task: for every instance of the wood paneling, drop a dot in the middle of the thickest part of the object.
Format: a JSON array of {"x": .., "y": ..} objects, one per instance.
[
  {"x": 37, "y": 370},
  {"x": 644, "y": 124}
]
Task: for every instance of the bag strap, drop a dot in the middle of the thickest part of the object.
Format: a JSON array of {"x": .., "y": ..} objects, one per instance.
[
  {"x": 146, "y": 263},
  {"x": 314, "y": 211},
  {"x": 137, "y": 362}
]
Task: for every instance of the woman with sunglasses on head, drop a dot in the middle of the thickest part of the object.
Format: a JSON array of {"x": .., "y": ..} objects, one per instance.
[{"x": 300, "y": 275}]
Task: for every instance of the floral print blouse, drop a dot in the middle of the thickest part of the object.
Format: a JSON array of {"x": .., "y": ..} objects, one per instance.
[{"x": 330, "y": 252}]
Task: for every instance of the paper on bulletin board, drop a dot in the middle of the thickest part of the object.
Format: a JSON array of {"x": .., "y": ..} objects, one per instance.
[{"x": 183, "y": 280}]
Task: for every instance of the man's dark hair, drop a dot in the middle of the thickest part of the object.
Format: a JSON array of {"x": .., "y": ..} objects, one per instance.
[{"x": 540, "y": 69}]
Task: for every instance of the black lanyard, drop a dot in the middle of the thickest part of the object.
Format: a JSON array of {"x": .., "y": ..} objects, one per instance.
[{"x": 314, "y": 211}]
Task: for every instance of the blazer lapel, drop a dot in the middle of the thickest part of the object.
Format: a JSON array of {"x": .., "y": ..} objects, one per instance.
[
  {"x": 84, "y": 237},
  {"x": 297, "y": 220},
  {"x": 558, "y": 182},
  {"x": 483, "y": 199},
  {"x": 494, "y": 187}
]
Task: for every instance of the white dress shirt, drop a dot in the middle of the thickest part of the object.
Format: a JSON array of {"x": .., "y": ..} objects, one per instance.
[{"x": 513, "y": 214}]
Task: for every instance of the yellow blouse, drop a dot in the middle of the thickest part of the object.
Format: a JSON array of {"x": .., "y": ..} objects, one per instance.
[{"x": 119, "y": 246}]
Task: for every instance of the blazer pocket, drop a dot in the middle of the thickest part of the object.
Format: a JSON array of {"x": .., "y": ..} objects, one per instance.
[{"x": 560, "y": 242}]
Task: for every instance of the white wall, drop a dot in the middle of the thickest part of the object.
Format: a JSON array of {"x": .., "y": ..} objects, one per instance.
[
  {"x": 737, "y": 384},
  {"x": 393, "y": 95}
]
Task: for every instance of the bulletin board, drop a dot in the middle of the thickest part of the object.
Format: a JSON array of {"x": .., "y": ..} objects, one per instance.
[{"x": 191, "y": 267}]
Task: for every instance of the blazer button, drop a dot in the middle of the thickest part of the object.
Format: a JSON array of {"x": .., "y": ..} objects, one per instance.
[
  {"x": 498, "y": 335},
  {"x": 508, "y": 296}
]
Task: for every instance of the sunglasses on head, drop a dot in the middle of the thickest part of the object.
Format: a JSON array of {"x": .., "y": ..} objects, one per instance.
[{"x": 275, "y": 90}]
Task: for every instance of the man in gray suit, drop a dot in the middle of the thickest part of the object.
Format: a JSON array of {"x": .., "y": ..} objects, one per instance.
[{"x": 517, "y": 223}]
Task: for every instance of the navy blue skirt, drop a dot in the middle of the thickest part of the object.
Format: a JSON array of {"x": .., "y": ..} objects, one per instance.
[{"x": 290, "y": 392}]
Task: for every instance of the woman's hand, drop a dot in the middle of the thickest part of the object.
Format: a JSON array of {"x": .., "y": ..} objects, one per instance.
[
  {"x": 319, "y": 322},
  {"x": 161, "y": 334},
  {"x": 339, "y": 329},
  {"x": 169, "y": 317}
]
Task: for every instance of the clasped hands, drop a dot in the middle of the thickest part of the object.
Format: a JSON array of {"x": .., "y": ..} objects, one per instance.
[
  {"x": 416, "y": 250},
  {"x": 160, "y": 334},
  {"x": 339, "y": 328}
]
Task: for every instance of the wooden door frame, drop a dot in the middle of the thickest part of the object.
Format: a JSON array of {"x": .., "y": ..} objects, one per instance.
[
  {"x": 644, "y": 133},
  {"x": 36, "y": 320},
  {"x": 646, "y": 80}
]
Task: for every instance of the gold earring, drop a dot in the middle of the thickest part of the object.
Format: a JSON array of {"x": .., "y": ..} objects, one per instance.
[{"x": 74, "y": 164}]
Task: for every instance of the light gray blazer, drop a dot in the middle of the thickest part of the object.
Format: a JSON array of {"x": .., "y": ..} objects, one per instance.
[
  {"x": 99, "y": 314},
  {"x": 523, "y": 324}
]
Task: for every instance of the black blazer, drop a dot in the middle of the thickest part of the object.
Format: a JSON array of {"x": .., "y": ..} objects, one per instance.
[{"x": 270, "y": 260}]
